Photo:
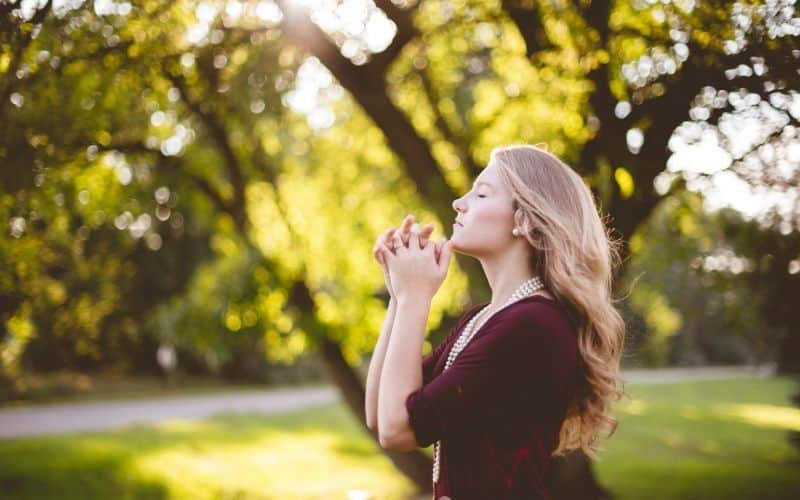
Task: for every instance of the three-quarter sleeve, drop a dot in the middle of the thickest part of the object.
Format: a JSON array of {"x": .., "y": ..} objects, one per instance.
[{"x": 453, "y": 401}]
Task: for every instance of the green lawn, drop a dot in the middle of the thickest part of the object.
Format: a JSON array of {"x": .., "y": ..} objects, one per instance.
[{"x": 703, "y": 440}]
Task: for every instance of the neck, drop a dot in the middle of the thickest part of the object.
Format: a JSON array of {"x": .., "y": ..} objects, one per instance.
[
  {"x": 506, "y": 271},
  {"x": 505, "y": 283}
]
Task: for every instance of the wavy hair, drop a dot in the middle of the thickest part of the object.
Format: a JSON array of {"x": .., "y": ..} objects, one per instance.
[{"x": 576, "y": 257}]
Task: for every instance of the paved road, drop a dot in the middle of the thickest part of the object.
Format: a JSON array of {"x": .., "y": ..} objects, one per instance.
[
  {"x": 85, "y": 416},
  {"x": 688, "y": 374}
]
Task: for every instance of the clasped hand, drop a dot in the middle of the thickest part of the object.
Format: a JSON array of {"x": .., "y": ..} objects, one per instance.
[{"x": 412, "y": 265}]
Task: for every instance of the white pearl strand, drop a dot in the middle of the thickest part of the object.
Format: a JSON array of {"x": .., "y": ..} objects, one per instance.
[{"x": 524, "y": 290}]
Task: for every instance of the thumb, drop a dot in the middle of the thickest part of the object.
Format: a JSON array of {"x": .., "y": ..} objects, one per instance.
[{"x": 445, "y": 254}]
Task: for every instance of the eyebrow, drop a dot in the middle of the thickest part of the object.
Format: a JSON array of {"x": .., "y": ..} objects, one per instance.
[{"x": 481, "y": 182}]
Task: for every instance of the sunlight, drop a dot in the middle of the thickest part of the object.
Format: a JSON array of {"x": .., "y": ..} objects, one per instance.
[
  {"x": 782, "y": 417},
  {"x": 358, "y": 27},
  {"x": 633, "y": 407},
  {"x": 272, "y": 462},
  {"x": 313, "y": 94},
  {"x": 716, "y": 161}
]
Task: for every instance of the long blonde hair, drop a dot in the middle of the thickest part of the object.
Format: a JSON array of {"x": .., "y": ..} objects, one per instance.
[{"x": 576, "y": 257}]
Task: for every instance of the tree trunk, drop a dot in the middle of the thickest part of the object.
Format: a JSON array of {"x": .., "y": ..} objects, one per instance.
[
  {"x": 415, "y": 465},
  {"x": 789, "y": 354}
]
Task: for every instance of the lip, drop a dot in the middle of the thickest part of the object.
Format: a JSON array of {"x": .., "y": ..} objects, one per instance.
[{"x": 458, "y": 224}]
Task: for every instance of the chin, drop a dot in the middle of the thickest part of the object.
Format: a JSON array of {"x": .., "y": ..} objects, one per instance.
[{"x": 458, "y": 247}]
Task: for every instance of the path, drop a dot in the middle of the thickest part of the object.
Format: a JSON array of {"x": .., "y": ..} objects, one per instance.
[
  {"x": 102, "y": 415},
  {"x": 84, "y": 416}
]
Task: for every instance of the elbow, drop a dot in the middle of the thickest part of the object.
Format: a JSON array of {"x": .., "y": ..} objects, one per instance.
[
  {"x": 385, "y": 443},
  {"x": 390, "y": 443},
  {"x": 399, "y": 441},
  {"x": 385, "y": 440}
]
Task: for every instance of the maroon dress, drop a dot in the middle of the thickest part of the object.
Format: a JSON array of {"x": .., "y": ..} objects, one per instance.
[{"x": 499, "y": 407}]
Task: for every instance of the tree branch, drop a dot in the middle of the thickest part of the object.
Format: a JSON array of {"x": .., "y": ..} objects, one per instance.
[
  {"x": 136, "y": 147},
  {"x": 18, "y": 50},
  {"x": 220, "y": 137},
  {"x": 367, "y": 86},
  {"x": 530, "y": 25},
  {"x": 406, "y": 31},
  {"x": 444, "y": 128}
]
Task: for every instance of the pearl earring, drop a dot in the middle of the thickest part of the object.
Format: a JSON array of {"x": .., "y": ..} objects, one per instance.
[{"x": 515, "y": 232}]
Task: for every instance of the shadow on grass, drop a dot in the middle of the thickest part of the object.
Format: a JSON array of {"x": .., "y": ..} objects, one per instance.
[
  {"x": 706, "y": 440},
  {"x": 237, "y": 455},
  {"x": 75, "y": 475}
]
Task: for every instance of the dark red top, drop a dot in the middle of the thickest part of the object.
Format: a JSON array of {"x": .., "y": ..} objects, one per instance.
[{"x": 499, "y": 407}]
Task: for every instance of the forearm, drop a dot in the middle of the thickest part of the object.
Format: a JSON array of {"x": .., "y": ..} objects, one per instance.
[
  {"x": 376, "y": 365},
  {"x": 402, "y": 368}
]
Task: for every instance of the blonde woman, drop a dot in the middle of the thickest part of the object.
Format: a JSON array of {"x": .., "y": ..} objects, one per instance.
[{"x": 525, "y": 376}]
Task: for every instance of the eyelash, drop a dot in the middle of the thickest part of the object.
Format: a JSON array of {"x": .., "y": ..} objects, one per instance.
[{"x": 479, "y": 195}]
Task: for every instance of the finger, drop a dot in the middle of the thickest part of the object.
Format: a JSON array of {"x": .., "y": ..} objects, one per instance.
[
  {"x": 406, "y": 228},
  {"x": 425, "y": 233},
  {"x": 388, "y": 235},
  {"x": 378, "y": 252},
  {"x": 447, "y": 251},
  {"x": 375, "y": 247},
  {"x": 407, "y": 223},
  {"x": 397, "y": 242},
  {"x": 429, "y": 249},
  {"x": 413, "y": 240},
  {"x": 387, "y": 253}
]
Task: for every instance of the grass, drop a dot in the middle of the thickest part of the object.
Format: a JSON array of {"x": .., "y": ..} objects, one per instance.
[
  {"x": 704, "y": 440},
  {"x": 701, "y": 440}
]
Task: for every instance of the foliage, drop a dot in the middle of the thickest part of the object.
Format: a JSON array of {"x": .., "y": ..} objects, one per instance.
[{"x": 694, "y": 288}]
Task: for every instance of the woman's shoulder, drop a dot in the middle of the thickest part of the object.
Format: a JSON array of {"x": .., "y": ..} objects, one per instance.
[
  {"x": 540, "y": 313},
  {"x": 537, "y": 305}
]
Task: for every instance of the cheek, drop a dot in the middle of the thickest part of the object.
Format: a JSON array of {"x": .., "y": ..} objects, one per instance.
[
  {"x": 493, "y": 216},
  {"x": 488, "y": 224}
]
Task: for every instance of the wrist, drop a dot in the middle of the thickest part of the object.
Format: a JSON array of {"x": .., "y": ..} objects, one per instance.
[{"x": 413, "y": 299}]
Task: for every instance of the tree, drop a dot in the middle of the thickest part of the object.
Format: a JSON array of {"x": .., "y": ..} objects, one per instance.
[
  {"x": 636, "y": 80},
  {"x": 606, "y": 85}
]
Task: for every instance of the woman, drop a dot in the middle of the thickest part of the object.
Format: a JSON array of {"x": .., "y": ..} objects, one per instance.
[{"x": 521, "y": 378}]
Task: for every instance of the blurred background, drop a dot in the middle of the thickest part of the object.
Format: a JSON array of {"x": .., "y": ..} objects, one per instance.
[{"x": 190, "y": 191}]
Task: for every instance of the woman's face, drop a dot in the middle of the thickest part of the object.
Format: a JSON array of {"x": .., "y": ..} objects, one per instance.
[{"x": 485, "y": 215}]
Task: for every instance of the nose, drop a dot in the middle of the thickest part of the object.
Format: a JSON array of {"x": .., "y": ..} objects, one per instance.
[{"x": 458, "y": 205}]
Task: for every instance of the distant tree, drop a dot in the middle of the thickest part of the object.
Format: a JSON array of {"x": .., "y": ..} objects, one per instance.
[
  {"x": 772, "y": 277},
  {"x": 198, "y": 97}
]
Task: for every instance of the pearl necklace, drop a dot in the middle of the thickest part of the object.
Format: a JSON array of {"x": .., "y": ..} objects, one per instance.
[{"x": 524, "y": 290}]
